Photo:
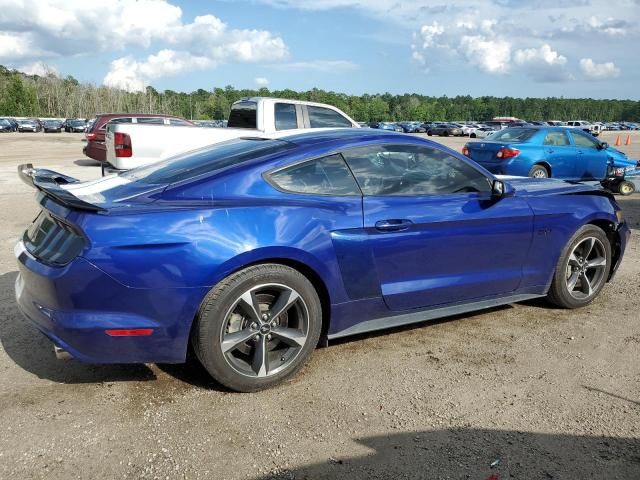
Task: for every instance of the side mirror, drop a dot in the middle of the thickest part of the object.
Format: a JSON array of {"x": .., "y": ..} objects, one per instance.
[
  {"x": 603, "y": 146},
  {"x": 498, "y": 189}
]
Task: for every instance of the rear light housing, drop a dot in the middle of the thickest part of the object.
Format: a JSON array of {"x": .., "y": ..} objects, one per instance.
[
  {"x": 122, "y": 144},
  {"x": 466, "y": 152},
  {"x": 505, "y": 153},
  {"x": 90, "y": 136}
]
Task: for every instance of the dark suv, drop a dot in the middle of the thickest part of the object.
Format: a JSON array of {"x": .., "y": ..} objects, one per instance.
[{"x": 96, "y": 148}]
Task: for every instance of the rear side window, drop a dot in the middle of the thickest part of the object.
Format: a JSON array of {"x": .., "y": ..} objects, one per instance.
[
  {"x": 322, "y": 176},
  {"x": 320, "y": 117},
  {"x": 286, "y": 116},
  {"x": 514, "y": 134},
  {"x": 116, "y": 120},
  {"x": 150, "y": 120},
  {"x": 206, "y": 160},
  {"x": 556, "y": 138},
  {"x": 243, "y": 115}
]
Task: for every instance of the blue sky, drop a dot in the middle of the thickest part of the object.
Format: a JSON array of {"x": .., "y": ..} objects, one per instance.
[{"x": 570, "y": 48}]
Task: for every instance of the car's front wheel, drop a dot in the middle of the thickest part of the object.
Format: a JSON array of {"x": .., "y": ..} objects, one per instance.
[
  {"x": 258, "y": 327},
  {"x": 582, "y": 269}
]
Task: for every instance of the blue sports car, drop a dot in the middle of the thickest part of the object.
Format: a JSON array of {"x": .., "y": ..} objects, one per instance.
[
  {"x": 256, "y": 250},
  {"x": 541, "y": 152}
]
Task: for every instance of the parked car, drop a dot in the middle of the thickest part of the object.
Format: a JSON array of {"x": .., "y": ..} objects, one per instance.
[
  {"x": 386, "y": 126},
  {"x": 130, "y": 146},
  {"x": 52, "y": 126},
  {"x": 95, "y": 135},
  {"x": 445, "y": 130},
  {"x": 482, "y": 132},
  {"x": 13, "y": 124},
  {"x": 256, "y": 250},
  {"x": 75, "y": 125},
  {"x": 585, "y": 126},
  {"x": 29, "y": 126},
  {"x": 411, "y": 127},
  {"x": 5, "y": 126},
  {"x": 542, "y": 152}
]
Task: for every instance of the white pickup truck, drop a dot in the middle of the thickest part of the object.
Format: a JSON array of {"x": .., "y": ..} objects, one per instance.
[{"x": 134, "y": 145}]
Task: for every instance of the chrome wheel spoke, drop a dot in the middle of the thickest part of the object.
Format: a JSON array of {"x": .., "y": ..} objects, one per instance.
[
  {"x": 588, "y": 247},
  {"x": 234, "y": 340},
  {"x": 249, "y": 304},
  {"x": 286, "y": 299},
  {"x": 585, "y": 285},
  {"x": 572, "y": 280},
  {"x": 597, "y": 262},
  {"x": 290, "y": 336},
  {"x": 573, "y": 260},
  {"x": 260, "y": 363}
]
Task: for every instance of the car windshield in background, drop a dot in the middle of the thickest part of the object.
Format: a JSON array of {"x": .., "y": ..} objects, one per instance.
[
  {"x": 206, "y": 160},
  {"x": 513, "y": 135},
  {"x": 77, "y": 123},
  {"x": 4, "y": 122}
]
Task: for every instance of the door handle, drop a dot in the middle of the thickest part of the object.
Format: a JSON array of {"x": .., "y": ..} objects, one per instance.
[
  {"x": 580, "y": 152},
  {"x": 393, "y": 225}
]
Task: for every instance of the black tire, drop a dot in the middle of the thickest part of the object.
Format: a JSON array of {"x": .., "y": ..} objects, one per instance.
[
  {"x": 211, "y": 324},
  {"x": 559, "y": 293},
  {"x": 445, "y": 133},
  {"x": 539, "y": 171},
  {"x": 626, "y": 187},
  {"x": 473, "y": 135},
  {"x": 429, "y": 132}
]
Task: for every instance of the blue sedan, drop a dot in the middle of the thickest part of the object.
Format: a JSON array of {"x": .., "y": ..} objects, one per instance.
[
  {"x": 542, "y": 152},
  {"x": 257, "y": 250}
]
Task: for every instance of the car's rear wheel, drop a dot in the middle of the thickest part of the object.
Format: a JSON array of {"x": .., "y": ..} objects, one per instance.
[
  {"x": 582, "y": 270},
  {"x": 429, "y": 132},
  {"x": 445, "y": 133},
  {"x": 538, "y": 171},
  {"x": 258, "y": 327},
  {"x": 626, "y": 187},
  {"x": 473, "y": 135}
]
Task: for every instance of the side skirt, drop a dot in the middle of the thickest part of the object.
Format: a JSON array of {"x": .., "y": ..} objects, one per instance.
[{"x": 424, "y": 315}]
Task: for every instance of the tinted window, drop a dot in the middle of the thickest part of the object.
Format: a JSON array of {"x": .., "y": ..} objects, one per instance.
[
  {"x": 286, "y": 117},
  {"x": 323, "y": 176},
  {"x": 556, "y": 138},
  {"x": 179, "y": 122},
  {"x": 320, "y": 117},
  {"x": 150, "y": 120},
  {"x": 412, "y": 170},
  {"x": 243, "y": 115},
  {"x": 206, "y": 160},
  {"x": 513, "y": 135},
  {"x": 584, "y": 141}
]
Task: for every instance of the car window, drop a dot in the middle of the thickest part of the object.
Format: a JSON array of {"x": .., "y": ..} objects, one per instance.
[
  {"x": 412, "y": 170},
  {"x": 323, "y": 176},
  {"x": 584, "y": 141},
  {"x": 206, "y": 160},
  {"x": 286, "y": 117},
  {"x": 513, "y": 135},
  {"x": 320, "y": 117},
  {"x": 243, "y": 115},
  {"x": 179, "y": 122},
  {"x": 556, "y": 138},
  {"x": 150, "y": 120},
  {"x": 116, "y": 120}
]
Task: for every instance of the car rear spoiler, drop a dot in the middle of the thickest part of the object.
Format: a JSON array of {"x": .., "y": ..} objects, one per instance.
[{"x": 48, "y": 182}]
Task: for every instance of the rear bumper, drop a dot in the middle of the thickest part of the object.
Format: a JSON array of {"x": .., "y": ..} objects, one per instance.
[
  {"x": 75, "y": 305},
  {"x": 95, "y": 150}
]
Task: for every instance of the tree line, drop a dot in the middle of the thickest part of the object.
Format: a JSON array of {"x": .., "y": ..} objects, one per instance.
[{"x": 24, "y": 95}]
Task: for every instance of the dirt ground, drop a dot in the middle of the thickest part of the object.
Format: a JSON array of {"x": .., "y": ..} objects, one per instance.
[{"x": 524, "y": 391}]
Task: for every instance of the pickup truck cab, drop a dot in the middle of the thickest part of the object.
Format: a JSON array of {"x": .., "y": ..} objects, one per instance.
[
  {"x": 585, "y": 126},
  {"x": 129, "y": 146}
]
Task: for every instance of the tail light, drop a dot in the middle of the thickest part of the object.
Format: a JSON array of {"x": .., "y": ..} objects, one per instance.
[
  {"x": 90, "y": 136},
  {"x": 122, "y": 144},
  {"x": 466, "y": 152},
  {"x": 506, "y": 152}
]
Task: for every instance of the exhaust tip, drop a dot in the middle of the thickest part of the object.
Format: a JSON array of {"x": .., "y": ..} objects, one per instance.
[{"x": 61, "y": 353}]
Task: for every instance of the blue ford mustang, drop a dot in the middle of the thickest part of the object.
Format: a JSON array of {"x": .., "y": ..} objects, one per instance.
[
  {"x": 256, "y": 250},
  {"x": 541, "y": 152}
]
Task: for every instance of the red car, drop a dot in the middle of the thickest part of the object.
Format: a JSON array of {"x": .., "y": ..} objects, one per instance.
[{"x": 96, "y": 148}]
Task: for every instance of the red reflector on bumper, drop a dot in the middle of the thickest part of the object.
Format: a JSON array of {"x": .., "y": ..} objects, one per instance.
[{"x": 135, "y": 332}]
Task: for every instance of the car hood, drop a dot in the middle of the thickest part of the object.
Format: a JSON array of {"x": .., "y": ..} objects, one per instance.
[
  {"x": 528, "y": 187},
  {"x": 620, "y": 159}
]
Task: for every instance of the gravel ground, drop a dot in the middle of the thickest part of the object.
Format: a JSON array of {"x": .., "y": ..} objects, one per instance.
[{"x": 524, "y": 391}]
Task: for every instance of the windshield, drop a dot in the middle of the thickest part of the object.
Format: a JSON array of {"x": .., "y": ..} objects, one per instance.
[
  {"x": 513, "y": 135},
  {"x": 206, "y": 160},
  {"x": 77, "y": 123},
  {"x": 4, "y": 122}
]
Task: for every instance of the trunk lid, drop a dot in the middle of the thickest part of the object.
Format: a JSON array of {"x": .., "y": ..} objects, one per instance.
[{"x": 485, "y": 151}]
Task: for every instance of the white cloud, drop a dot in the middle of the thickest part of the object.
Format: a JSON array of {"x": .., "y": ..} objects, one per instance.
[
  {"x": 599, "y": 71},
  {"x": 329, "y": 66},
  {"x": 430, "y": 34},
  {"x": 31, "y": 29},
  {"x": 38, "y": 68},
  {"x": 490, "y": 55},
  {"x": 543, "y": 64},
  {"x": 262, "y": 81}
]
